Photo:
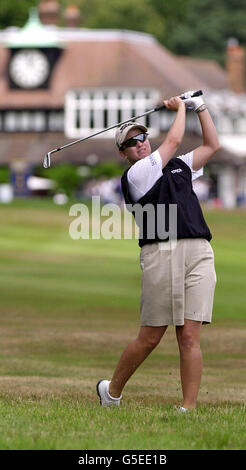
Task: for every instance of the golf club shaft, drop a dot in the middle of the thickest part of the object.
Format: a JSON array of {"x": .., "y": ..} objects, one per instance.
[{"x": 46, "y": 163}]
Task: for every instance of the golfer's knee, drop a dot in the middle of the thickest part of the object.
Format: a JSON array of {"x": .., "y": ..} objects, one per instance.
[
  {"x": 188, "y": 342},
  {"x": 149, "y": 342},
  {"x": 149, "y": 337}
]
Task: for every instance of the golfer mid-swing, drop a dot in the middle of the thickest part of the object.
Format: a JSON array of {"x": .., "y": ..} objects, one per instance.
[{"x": 178, "y": 279}]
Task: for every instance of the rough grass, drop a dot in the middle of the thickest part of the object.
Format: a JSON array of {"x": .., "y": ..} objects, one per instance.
[
  {"x": 68, "y": 308},
  {"x": 83, "y": 426}
]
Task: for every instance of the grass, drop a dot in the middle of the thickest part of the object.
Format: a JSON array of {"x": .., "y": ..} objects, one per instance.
[
  {"x": 68, "y": 308},
  {"x": 80, "y": 426}
]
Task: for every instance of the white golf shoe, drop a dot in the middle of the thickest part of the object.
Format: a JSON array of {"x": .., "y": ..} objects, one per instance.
[
  {"x": 105, "y": 397},
  {"x": 181, "y": 409}
]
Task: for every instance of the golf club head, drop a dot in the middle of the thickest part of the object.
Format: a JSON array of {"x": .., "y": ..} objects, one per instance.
[{"x": 46, "y": 163}]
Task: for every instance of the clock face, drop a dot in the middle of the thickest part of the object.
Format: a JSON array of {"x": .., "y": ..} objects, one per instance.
[{"x": 29, "y": 68}]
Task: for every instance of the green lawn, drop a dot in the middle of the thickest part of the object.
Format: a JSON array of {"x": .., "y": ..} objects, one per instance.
[{"x": 68, "y": 308}]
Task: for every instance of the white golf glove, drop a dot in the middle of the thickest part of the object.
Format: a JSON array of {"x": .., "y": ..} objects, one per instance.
[{"x": 193, "y": 103}]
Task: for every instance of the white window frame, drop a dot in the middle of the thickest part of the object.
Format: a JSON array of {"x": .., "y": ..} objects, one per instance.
[
  {"x": 91, "y": 110},
  {"x": 32, "y": 121}
]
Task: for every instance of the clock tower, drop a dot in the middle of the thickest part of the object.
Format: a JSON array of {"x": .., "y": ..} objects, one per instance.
[{"x": 34, "y": 52}]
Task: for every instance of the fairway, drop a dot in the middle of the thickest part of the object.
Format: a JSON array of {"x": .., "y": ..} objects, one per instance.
[{"x": 69, "y": 307}]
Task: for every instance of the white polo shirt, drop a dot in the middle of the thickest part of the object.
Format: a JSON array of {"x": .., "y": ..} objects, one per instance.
[{"x": 144, "y": 173}]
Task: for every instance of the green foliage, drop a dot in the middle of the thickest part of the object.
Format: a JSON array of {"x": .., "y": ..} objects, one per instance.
[
  {"x": 15, "y": 12},
  {"x": 4, "y": 175},
  {"x": 206, "y": 27},
  {"x": 186, "y": 27},
  {"x": 107, "y": 170},
  {"x": 128, "y": 14},
  {"x": 173, "y": 13},
  {"x": 65, "y": 175}
]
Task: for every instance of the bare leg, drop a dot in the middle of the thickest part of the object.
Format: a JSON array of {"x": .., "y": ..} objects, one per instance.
[
  {"x": 134, "y": 354},
  {"x": 188, "y": 337}
]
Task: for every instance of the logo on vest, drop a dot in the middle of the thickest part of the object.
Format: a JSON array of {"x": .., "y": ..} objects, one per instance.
[
  {"x": 152, "y": 159},
  {"x": 176, "y": 171}
]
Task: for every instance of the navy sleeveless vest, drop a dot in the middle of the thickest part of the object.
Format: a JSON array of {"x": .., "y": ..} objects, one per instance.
[{"x": 173, "y": 187}]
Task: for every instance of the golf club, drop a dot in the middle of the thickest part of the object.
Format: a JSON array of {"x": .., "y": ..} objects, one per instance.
[{"x": 47, "y": 158}]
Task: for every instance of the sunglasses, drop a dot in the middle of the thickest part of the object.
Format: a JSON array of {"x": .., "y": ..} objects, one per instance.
[{"x": 132, "y": 142}]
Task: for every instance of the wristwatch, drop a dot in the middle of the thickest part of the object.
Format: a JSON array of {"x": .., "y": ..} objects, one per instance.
[{"x": 201, "y": 108}]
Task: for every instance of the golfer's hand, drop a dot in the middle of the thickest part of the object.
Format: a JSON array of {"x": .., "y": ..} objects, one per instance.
[
  {"x": 174, "y": 103},
  {"x": 192, "y": 103}
]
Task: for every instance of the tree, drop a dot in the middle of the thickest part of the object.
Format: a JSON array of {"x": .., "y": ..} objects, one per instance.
[
  {"x": 65, "y": 176},
  {"x": 15, "y": 13},
  {"x": 186, "y": 27},
  {"x": 136, "y": 15},
  {"x": 205, "y": 28}
]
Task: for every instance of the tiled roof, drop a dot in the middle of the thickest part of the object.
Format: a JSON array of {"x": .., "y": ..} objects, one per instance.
[
  {"x": 211, "y": 73},
  {"x": 124, "y": 61},
  {"x": 109, "y": 59}
]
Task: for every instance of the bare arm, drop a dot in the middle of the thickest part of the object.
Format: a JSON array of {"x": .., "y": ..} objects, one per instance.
[
  {"x": 175, "y": 134},
  {"x": 210, "y": 143}
]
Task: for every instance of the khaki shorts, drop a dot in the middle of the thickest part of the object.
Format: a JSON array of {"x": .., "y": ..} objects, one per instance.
[{"x": 178, "y": 282}]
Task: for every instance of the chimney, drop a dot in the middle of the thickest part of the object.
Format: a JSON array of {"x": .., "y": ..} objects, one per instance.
[
  {"x": 72, "y": 16},
  {"x": 49, "y": 11},
  {"x": 235, "y": 66}
]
